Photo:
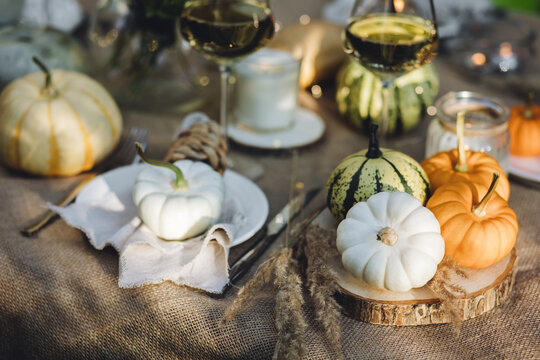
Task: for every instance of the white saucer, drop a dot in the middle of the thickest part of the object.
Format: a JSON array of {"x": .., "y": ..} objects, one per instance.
[
  {"x": 250, "y": 200},
  {"x": 253, "y": 202},
  {"x": 525, "y": 167},
  {"x": 307, "y": 128}
]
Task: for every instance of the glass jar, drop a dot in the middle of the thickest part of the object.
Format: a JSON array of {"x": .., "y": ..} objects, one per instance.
[{"x": 486, "y": 125}]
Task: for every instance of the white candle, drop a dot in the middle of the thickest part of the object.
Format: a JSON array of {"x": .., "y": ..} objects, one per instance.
[{"x": 267, "y": 90}]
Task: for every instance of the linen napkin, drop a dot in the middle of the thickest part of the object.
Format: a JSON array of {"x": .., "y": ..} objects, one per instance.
[{"x": 105, "y": 212}]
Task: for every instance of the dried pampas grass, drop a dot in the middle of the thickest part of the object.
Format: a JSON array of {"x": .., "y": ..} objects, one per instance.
[
  {"x": 290, "y": 322},
  {"x": 317, "y": 247},
  {"x": 251, "y": 289},
  {"x": 281, "y": 270}
]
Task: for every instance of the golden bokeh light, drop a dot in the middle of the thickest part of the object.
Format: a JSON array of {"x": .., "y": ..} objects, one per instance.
[{"x": 478, "y": 59}]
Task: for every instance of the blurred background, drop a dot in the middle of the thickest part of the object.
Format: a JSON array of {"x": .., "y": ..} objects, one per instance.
[{"x": 134, "y": 49}]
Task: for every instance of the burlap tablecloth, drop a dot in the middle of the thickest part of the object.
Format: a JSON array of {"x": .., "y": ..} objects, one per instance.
[{"x": 59, "y": 297}]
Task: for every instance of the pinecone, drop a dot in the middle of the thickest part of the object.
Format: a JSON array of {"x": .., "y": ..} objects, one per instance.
[{"x": 202, "y": 141}]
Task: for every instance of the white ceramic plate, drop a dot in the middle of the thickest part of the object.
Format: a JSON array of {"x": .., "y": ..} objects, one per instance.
[
  {"x": 525, "y": 167},
  {"x": 249, "y": 198},
  {"x": 307, "y": 128}
]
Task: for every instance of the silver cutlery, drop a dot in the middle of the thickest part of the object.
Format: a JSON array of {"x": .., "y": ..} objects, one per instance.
[
  {"x": 267, "y": 237},
  {"x": 123, "y": 155}
]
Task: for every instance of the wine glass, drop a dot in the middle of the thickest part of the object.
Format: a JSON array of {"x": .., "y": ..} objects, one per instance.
[
  {"x": 390, "y": 38},
  {"x": 225, "y": 31}
]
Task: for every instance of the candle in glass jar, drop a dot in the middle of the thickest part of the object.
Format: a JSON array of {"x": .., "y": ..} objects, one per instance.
[
  {"x": 266, "y": 93},
  {"x": 486, "y": 125}
]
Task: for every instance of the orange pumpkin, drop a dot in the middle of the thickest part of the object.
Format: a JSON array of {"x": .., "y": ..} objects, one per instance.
[
  {"x": 444, "y": 167},
  {"x": 463, "y": 165},
  {"x": 524, "y": 128},
  {"x": 478, "y": 226}
]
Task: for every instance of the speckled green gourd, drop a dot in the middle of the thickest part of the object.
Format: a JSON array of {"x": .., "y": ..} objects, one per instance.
[
  {"x": 371, "y": 171},
  {"x": 359, "y": 97}
]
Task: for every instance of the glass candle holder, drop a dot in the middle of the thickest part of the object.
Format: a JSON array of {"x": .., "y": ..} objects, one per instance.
[
  {"x": 266, "y": 90},
  {"x": 486, "y": 125}
]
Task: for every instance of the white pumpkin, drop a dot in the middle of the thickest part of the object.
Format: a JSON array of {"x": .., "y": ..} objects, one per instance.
[
  {"x": 176, "y": 211},
  {"x": 60, "y": 129},
  {"x": 391, "y": 242}
]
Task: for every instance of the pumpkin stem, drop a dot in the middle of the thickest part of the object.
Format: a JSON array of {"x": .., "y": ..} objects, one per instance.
[
  {"x": 480, "y": 209},
  {"x": 373, "y": 148},
  {"x": 528, "y": 113},
  {"x": 46, "y": 71},
  {"x": 180, "y": 182},
  {"x": 462, "y": 155},
  {"x": 388, "y": 236}
]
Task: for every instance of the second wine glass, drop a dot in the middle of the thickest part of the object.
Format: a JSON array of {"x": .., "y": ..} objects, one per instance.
[
  {"x": 225, "y": 31},
  {"x": 390, "y": 38}
]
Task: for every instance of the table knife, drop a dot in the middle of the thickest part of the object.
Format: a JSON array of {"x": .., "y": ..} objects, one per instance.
[{"x": 272, "y": 231}]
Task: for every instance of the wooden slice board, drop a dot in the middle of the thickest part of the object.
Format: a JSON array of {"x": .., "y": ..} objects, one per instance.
[{"x": 486, "y": 289}]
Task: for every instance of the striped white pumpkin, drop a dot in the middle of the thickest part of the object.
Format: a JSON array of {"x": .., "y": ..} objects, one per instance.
[{"x": 63, "y": 131}]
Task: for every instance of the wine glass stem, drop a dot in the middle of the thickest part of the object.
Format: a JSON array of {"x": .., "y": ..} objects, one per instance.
[
  {"x": 223, "y": 110},
  {"x": 387, "y": 85}
]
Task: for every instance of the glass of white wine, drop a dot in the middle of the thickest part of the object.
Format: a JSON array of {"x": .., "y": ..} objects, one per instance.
[
  {"x": 225, "y": 31},
  {"x": 391, "y": 38}
]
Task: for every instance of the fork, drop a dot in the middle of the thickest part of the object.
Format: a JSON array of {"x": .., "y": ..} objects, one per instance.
[{"x": 124, "y": 154}]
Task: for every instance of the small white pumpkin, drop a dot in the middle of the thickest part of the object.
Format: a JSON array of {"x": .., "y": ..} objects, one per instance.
[
  {"x": 58, "y": 124},
  {"x": 178, "y": 205},
  {"x": 391, "y": 242}
]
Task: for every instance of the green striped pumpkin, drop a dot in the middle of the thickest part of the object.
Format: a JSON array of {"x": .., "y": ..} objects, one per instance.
[
  {"x": 370, "y": 171},
  {"x": 359, "y": 97}
]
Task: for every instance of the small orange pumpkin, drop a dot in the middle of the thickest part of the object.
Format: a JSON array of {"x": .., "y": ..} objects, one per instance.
[
  {"x": 464, "y": 165},
  {"x": 524, "y": 128},
  {"x": 478, "y": 226},
  {"x": 442, "y": 168}
]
